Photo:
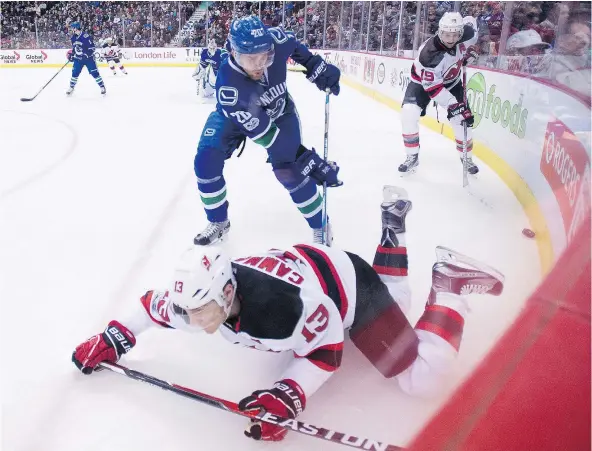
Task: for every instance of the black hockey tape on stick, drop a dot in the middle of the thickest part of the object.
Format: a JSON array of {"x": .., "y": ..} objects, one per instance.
[
  {"x": 28, "y": 99},
  {"x": 291, "y": 425}
]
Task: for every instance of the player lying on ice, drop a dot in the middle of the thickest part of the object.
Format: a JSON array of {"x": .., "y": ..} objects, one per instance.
[
  {"x": 254, "y": 103},
  {"x": 303, "y": 299}
]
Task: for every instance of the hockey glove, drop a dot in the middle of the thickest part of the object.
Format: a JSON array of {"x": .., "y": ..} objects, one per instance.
[
  {"x": 461, "y": 111},
  {"x": 324, "y": 75},
  {"x": 471, "y": 56},
  {"x": 309, "y": 163},
  {"x": 70, "y": 56},
  {"x": 286, "y": 399},
  {"x": 106, "y": 347}
]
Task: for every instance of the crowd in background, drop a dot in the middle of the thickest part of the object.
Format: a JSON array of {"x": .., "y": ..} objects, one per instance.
[{"x": 543, "y": 38}]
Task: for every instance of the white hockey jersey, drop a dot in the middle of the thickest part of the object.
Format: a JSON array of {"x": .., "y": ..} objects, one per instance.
[
  {"x": 439, "y": 68},
  {"x": 111, "y": 51},
  {"x": 300, "y": 300}
]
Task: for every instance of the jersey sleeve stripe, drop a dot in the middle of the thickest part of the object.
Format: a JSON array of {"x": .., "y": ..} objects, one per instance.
[
  {"x": 327, "y": 358},
  {"x": 146, "y": 302},
  {"x": 327, "y": 275}
]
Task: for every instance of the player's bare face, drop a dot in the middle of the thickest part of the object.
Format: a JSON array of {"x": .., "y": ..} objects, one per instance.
[
  {"x": 255, "y": 64},
  {"x": 209, "y": 317},
  {"x": 449, "y": 38}
]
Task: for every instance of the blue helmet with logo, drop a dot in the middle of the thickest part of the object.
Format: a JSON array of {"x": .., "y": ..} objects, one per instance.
[
  {"x": 75, "y": 25},
  {"x": 248, "y": 35}
]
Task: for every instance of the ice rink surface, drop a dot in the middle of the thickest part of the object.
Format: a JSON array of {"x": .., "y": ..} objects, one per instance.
[{"x": 97, "y": 200}]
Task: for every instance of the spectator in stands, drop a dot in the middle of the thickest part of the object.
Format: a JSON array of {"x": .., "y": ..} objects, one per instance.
[{"x": 556, "y": 18}]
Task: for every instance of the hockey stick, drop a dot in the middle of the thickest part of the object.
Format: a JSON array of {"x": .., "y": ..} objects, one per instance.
[
  {"x": 26, "y": 99},
  {"x": 465, "y": 160},
  {"x": 325, "y": 156},
  {"x": 293, "y": 425}
]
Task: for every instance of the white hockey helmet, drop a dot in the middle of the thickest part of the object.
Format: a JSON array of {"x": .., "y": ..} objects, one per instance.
[
  {"x": 212, "y": 46},
  {"x": 200, "y": 277},
  {"x": 108, "y": 40},
  {"x": 451, "y": 22}
]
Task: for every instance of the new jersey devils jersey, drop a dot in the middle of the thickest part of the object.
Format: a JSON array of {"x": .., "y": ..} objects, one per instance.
[
  {"x": 110, "y": 51},
  {"x": 438, "y": 68},
  {"x": 300, "y": 300}
]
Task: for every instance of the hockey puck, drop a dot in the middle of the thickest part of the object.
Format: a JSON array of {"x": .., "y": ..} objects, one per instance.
[{"x": 528, "y": 233}]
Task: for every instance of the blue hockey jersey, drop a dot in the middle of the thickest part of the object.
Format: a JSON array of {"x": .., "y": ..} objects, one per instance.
[
  {"x": 214, "y": 60},
  {"x": 254, "y": 105},
  {"x": 83, "y": 47}
]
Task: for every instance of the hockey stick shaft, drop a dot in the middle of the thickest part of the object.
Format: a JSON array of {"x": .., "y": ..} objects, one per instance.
[
  {"x": 325, "y": 156},
  {"x": 26, "y": 99},
  {"x": 465, "y": 159},
  {"x": 292, "y": 425}
]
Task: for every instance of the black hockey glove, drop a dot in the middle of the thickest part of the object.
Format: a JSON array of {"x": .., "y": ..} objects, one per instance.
[
  {"x": 324, "y": 75},
  {"x": 309, "y": 163},
  {"x": 462, "y": 111}
]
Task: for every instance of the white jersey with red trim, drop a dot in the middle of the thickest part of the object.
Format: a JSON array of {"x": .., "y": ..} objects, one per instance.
[
  {"x": 300, "y": 300},
  {"x": 439, "y": 68},
  {"x": 111, "y": 51}
]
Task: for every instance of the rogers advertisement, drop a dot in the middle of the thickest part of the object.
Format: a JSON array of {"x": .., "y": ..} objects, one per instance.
[{"x": 566, "y": 166}]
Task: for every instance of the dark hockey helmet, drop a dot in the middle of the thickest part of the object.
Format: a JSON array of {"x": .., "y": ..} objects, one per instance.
[{"x": 251, "y": 43}]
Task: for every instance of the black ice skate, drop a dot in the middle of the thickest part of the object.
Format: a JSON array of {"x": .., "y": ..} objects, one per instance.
[
  {"x": 410, "y": 164},
  {"x": 213, "y": 233},
  {"x": 317, "y": 235},
  {"x": 458, "y": 274},
  {"x": 395, "y": 206},
  {"x": 472, "y": 168},
  {"x": 103, "y": 91}
]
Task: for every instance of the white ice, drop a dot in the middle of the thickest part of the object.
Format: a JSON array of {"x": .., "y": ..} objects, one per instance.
[{"x": 98, "y": 198}]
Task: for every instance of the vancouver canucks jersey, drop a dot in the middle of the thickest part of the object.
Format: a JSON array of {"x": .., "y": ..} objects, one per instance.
[
  {"x": 213, "y": 60},
  {"x": 253, "y": 105},
  {"x": 83, "y": 47}
]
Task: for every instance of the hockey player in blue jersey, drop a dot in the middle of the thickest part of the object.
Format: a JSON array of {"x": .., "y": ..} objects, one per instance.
[
  {"x": 253, "y": 102},
  {"x": 207, "y": 69},
  {"x": 82, "y": 54}
]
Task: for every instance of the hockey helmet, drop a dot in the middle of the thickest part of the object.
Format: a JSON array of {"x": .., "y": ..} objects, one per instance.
[
  {"x": 452, "y": 24},
  {"x": 75, "y": 26},
  {"x": 251, "y": 43},
  {"x": 212, "y": 46},
  {"x": 203, "y": 274}
]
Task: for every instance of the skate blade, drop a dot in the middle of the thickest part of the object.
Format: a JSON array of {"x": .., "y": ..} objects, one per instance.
[
  {"x": 408, "y": 173},
  {"x": 447, "y": 255},
  {"x": 391, "y": 193}
]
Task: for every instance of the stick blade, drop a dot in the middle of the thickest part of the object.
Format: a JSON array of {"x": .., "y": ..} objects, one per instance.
[{"x": 25, "y": 99}]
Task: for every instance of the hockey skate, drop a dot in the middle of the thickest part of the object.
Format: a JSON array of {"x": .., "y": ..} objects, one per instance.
[
  {"x": 395, "y": 206},
  {"x": 215, "y": 232},
  {"x": 458, "y": 274},
  {"x": 317, "y": 235},
  {"x": 103, "y": 91},
  {"x": 70, "y": 91},
  {"x": 472, "y": 168},
  {"x": 409, "y": 165}
]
